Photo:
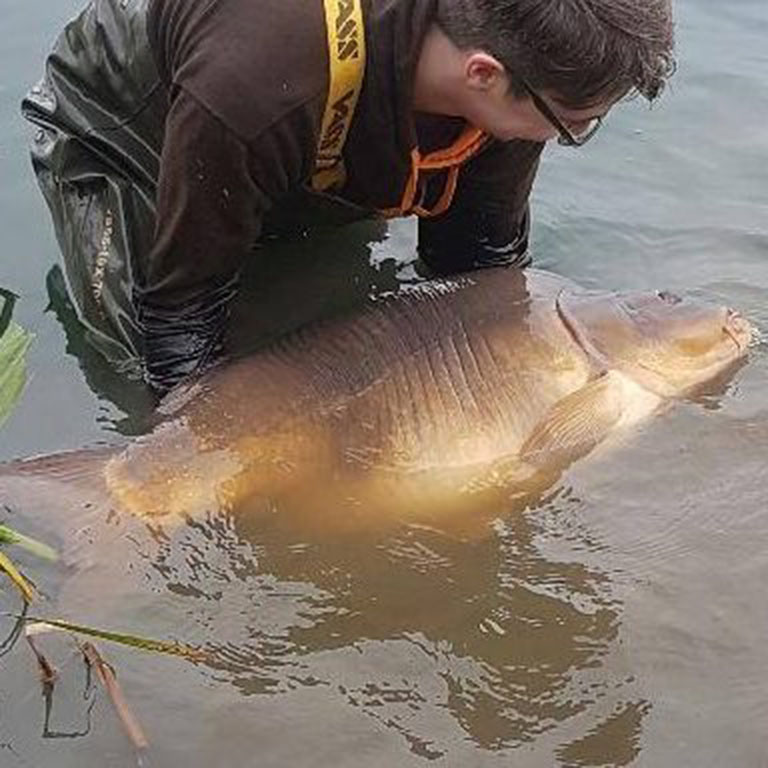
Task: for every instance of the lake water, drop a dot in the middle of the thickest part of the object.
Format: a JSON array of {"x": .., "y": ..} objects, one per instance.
[{"x": 620, "y": 622}]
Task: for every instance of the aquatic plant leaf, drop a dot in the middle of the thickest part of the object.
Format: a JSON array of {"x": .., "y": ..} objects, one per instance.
[
  {"x": 10, "y": 536},
  {"x": 48, "y": 673},
  {"x": 26, "y": 589},
  {"x": 13, "y": 374},
  {"x": 108, "y": 679},
  {"x": 133, "y": 641}
]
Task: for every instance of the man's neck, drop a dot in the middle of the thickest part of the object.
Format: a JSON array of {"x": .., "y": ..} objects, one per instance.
[{"x": 438, "y": 77}]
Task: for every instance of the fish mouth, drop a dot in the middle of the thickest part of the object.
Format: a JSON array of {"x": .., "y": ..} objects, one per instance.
[{"x": 739, "y": 329}]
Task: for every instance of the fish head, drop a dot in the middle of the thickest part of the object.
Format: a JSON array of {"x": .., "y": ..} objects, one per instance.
[{"x": 668, "y": 343}]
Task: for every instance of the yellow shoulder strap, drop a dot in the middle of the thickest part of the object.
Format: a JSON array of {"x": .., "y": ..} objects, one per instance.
[{"x": 346, "y": 57}]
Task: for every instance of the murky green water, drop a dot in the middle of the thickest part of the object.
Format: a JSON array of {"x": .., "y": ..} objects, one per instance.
[{"x": 620, "y": 622}]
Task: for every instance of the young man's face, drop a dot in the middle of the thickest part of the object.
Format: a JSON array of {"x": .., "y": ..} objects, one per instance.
[
  {"x": 492, "y": 106},
  {"x": 518, "y": 117}
]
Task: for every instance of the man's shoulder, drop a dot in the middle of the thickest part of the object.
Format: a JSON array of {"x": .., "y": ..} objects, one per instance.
[{"x": 248, "y": 62}]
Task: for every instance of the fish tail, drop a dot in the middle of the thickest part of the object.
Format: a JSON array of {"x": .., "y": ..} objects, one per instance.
[{"x": 53, "y": 492}]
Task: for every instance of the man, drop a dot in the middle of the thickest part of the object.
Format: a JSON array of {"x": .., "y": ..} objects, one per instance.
[{"x": 175, "y": 134}]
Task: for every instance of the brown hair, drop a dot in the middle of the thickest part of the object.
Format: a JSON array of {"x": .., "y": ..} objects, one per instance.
[{"x": 583, "y": 51}]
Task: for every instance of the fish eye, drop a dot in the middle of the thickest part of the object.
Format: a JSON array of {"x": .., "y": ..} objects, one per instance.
[{"x": 668, "y": 297}]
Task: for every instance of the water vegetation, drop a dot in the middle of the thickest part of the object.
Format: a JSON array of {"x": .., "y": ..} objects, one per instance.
[{"x": 14, "y": 342}]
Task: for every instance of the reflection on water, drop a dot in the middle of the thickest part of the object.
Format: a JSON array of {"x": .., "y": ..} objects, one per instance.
[{"x": 441, "y": 640}]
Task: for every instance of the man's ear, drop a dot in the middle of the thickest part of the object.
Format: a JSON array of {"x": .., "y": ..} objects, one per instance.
[{"x": 483, "y": 71}]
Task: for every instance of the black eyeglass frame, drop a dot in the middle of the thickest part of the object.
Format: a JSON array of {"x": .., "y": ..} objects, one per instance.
[{"x": 566, "y": 138}]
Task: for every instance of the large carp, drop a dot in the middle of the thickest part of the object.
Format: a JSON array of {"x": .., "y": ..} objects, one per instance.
[{"x": 413, "y": 407}]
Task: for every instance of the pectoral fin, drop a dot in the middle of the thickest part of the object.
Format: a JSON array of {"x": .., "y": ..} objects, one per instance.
[
  {"x": 506, "y": 472},
  {"x": 575, "y": 424}
]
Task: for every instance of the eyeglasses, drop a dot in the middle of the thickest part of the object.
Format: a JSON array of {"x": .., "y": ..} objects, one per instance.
[{"x": 567, "y": 138}]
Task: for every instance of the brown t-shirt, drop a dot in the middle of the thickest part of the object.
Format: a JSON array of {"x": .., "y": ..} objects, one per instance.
[{"x": 248, "y": 81}]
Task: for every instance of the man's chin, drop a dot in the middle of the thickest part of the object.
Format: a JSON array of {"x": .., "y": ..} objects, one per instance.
[{"x": 511, "y": 135}]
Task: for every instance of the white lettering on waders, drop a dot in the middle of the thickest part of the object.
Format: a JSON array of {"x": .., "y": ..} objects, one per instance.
[{"x": 97, "y": 280}]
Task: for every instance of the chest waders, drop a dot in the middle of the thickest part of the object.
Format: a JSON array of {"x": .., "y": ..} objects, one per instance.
[{"x": 99, "y": 113}]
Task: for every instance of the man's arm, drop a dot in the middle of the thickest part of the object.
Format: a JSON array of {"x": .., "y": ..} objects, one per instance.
[
  {"x": 487, "y": 223},
  {"x": 208, "y": 217}
]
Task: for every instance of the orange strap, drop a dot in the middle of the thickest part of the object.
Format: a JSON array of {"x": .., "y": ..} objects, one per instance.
[{"x": 450, "y": 158}]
